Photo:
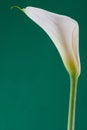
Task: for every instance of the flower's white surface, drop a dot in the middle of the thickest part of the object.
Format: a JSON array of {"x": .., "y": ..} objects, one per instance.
[{"x": 63, "y": 31}]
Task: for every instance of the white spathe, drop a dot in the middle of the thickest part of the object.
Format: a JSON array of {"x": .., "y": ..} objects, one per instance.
[{"x": 63, "y": 31}]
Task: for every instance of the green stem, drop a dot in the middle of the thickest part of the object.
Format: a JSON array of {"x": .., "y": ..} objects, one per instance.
[{"x": 72, "y": 102}]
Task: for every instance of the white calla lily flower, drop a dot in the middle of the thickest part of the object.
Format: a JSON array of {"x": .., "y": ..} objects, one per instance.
[{"x": 63, "y": 31}]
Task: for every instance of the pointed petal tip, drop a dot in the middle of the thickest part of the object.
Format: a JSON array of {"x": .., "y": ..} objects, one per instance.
[{"x": 19, "y": 8}]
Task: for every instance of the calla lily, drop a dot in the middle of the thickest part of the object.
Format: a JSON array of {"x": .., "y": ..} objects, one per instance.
[{"x": 63, "y": 31}]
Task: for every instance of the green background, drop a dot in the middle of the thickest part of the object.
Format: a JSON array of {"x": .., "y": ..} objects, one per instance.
[{"x": 34, "y": 85}]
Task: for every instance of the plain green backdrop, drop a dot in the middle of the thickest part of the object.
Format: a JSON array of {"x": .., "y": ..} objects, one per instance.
[{"x": 34, "y": 85}]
